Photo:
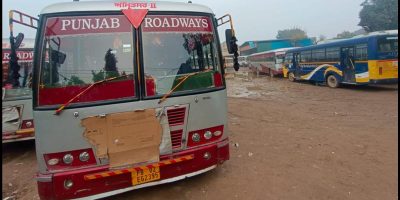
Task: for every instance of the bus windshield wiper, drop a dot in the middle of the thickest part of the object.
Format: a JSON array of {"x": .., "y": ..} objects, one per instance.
[
  {"x": 183, "y": 79},
  {"x": 61, "y": 108}
]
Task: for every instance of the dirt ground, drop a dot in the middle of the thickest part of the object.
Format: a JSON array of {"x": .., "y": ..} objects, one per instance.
[{"x": 288, "y": 141}]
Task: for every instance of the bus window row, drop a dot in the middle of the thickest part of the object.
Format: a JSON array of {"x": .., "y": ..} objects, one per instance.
[{"x": 331, "y": 54}]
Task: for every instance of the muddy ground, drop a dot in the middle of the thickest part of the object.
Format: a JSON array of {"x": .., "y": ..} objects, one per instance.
[{"x": 293, "y": 141}]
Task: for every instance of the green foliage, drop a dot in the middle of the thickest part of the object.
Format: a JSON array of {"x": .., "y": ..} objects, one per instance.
[
  {"x": 111, "y": 74},
  {"x": 101, "y": 75},
  {"x": 377, "y": 15},
  {"x": 97, "y": 76},
  {"x": 292, "y": 33},
  {"x": 345, "y": 34},
  {"x": 74, "y": 80}
]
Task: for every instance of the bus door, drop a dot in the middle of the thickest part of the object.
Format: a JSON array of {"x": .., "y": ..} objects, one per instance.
[
  {"x": 296, "y": 64},
  {"x": 347, "y": 62}
]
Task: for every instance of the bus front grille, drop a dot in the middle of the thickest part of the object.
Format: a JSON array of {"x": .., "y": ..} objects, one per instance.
[
  {"x": 176, "y": 139},
  {"x": 176, "y": 116}
]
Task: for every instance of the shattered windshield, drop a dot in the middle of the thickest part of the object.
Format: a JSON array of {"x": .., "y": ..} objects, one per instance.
[{"x": 174, "y": 46}]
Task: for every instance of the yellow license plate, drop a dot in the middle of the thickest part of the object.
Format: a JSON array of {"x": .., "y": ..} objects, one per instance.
[{"x": 145, "y": 175}]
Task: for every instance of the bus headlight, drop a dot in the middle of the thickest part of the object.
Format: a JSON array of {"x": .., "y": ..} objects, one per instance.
[
  {"x": 208, "y": 135},
  {"x": 196, "y": 137},
  {"x": 68, "y": 158},
  {"x": 84, "y": 156}
]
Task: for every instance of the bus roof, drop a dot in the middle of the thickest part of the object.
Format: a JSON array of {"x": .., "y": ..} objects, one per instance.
[
  {"x": 348, "y": 41},
  {"x": 76, "y": 6},
  {"x": 274, "y": 51},
  {"x": 27, "y": 43}
]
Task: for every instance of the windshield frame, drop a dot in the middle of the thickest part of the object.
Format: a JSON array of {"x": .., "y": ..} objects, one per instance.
[
  {"x": 38, "y": 61},
  {"x": 183, "y": 93},
  {"x": 137, "y": 34}
]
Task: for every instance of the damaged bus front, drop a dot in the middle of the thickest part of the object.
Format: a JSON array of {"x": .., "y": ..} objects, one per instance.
[{"x": 127, "y": 95}]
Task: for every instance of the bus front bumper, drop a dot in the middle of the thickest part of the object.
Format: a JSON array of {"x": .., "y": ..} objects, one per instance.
[{"x": 51, "y": 186}]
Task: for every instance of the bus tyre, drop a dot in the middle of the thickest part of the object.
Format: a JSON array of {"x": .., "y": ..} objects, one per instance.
[
  {"x": 332, "y": 81},
  {"x": 291, "y": 77}
]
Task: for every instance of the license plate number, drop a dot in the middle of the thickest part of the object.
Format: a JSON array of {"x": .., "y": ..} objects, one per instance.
[{"x": 145, "y": 175}]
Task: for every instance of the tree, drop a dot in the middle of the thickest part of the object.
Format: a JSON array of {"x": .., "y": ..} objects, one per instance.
[
  {"x": 320, "y": 39},
  {"x": 99, "y": 76},
  {"x": 74, "y": 80},
  {"x": 345, "y": 34},
  {"x": 377, "y": 15},
  {"x": 292, "y": 33}
]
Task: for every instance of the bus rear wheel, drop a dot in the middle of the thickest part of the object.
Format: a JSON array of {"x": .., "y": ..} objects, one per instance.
[
  {"x": 291, "y": 77},
  {"x": 332, "y": 81}
]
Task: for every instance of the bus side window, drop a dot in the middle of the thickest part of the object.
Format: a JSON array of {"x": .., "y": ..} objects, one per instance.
[{"x": 361, "y": 52}]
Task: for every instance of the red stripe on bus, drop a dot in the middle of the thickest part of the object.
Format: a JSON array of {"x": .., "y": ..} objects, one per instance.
[{"x": 104, "y": 91}]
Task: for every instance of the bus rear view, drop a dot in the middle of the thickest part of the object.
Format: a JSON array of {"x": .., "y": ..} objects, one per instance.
[{"x": 126, "y": 96}]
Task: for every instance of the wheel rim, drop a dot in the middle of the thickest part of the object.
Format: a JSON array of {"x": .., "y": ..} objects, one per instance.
[
  {"x": 291, "y": 77},
  {"x": 332, "y": 82}
]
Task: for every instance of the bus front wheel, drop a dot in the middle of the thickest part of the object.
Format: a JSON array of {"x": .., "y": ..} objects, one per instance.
[
  {"x": 291, "y": 77},
  {"x": 332, "y": 81}
]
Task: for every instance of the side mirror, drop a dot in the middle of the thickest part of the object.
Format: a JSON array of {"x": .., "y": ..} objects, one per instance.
[
  {"x": 229, "y": 38},
  {"x": 18, "y": 40},
  {"x": 58, "y": 57},
  {"x": 232, "y": 47}
]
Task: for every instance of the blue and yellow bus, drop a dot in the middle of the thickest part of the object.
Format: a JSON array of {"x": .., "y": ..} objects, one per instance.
[{"x": 366, "y": 59}]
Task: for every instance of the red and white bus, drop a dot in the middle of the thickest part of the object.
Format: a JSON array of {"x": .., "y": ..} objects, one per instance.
[
  {"x": 132, "y": 95},
  {"x": 17, "y": 101},
  {"x": 268, "y": 62}
]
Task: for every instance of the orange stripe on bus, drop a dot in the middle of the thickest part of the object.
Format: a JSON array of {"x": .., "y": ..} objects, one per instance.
[{"x": 90, "y": 177}]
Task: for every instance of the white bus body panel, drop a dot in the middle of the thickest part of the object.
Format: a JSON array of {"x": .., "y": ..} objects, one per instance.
[{"x": 67, "y": 128}]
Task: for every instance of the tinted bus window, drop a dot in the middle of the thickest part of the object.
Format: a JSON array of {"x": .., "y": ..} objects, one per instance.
[
  {"x": 361, "y": 52},
  {"x": 388, "y": 44},
  {"x": 305, "y": 56},
  {"x": 332, "y": 54},
  {"x": 318, "y": 55},
  {"x": 288, "y": 58},
  {"x": 270, "y": 58},
  {"x": 279, "y": 58}
]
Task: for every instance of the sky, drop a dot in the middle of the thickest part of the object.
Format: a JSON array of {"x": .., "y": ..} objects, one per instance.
[{"x": 253, "y": 19}]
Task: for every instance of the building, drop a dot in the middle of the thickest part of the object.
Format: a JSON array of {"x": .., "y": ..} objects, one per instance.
[
  {"x": 228, "y": 58},
  {"x": 224, "y": 49},
  {"x": 251, "y": 47}
]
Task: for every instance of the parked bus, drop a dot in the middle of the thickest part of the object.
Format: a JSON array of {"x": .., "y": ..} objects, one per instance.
[
  {"x": 243, "y": 61},
  {"x": 132, "y": 95},
  {"x": 17, "y": 101},
  {"x": 17, "y": 64},
  {"x": 268, "y": 62},
  {"x": 366, "y": 59}
]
